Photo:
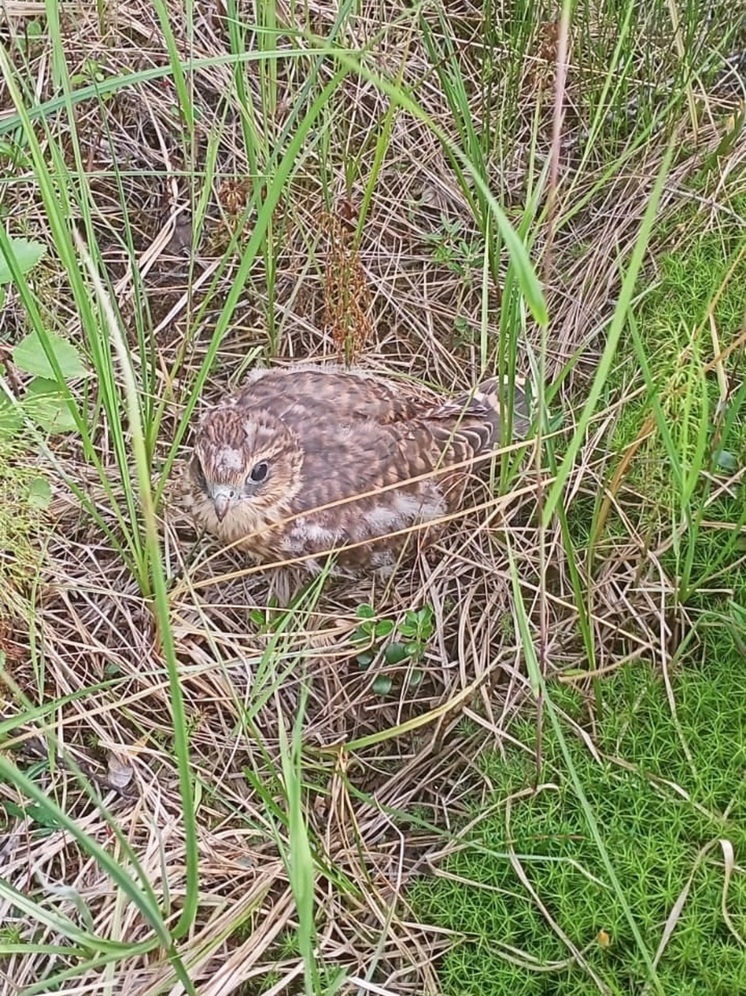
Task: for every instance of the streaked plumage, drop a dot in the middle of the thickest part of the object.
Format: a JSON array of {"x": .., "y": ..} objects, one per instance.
[{"x": 297, "y": 463}]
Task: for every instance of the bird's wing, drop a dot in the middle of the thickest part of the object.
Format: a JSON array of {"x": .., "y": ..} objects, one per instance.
[
  {"x": 308, "y": 391},
  {"x": 365, "y": 459}
]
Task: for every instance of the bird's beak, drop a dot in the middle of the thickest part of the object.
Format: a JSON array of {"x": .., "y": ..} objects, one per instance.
[{"x": 222, "y": 503}]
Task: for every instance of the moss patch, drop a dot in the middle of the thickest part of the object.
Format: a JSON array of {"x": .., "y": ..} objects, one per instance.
[{"x": 666, "y": 787}]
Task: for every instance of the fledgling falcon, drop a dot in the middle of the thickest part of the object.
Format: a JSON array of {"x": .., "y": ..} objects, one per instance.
[{"x": 308, "y": 459}]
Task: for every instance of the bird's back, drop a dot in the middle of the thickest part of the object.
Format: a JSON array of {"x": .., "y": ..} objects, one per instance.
[
  {"x": 301, "y": 392},
  {"x": 361, "y": 434}
]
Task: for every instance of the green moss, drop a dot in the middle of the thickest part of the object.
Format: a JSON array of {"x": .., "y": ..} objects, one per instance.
[{"x": 659, "y": 796}]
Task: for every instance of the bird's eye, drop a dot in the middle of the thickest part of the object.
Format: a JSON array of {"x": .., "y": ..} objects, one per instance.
[{"x": 259, "y": 472}]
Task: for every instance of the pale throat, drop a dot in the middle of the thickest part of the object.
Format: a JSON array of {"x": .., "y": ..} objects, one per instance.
[{"x": 245, "y": 518}]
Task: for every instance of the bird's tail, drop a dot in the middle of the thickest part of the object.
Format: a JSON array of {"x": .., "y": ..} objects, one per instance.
[{"x": 505, "y": 402}]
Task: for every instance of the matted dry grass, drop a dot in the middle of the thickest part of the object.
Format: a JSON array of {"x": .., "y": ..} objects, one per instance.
[{"x": 92, "y": 634}]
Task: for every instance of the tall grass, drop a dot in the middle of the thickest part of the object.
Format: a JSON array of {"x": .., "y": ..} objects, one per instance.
[{"x": 309, "y": 111}]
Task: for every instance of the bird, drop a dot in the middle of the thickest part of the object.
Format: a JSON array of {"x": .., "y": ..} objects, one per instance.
[{"x": 306, "y": 460}]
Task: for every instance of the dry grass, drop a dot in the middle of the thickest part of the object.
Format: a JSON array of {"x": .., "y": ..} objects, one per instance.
[{"x": 165, "y": 212}]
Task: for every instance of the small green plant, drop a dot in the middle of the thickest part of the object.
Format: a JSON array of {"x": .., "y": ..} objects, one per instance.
[
  {"x": 26, "y": 254},
  {"x": 417, "y": 629},
  {"x": 457, "y": 250},
  {"x": 371, "y": 633},
  {"x": 14, "y": 154},
  {"x": 268, "y": 618},
  {"x": 45, "y": 399},
  {"x": 51, "y": 361},
  {"x": 24, "y": 493},
  {"x": 29, "y": 40},
  {"x": 393, "y": 643},
  {"x": 91, "y": 72}
]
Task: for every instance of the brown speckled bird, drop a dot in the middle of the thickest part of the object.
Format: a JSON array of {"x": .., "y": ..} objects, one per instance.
[{"x": 308, "y": 459}]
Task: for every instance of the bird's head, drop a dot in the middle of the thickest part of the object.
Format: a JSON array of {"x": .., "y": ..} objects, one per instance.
[{"x": 246, "y": 464}]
